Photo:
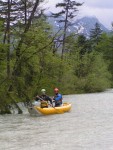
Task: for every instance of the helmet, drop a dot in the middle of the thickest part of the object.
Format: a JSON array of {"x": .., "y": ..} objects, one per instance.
[
  {"x": 43, "y": 90},
  {"x": 56, "y": 90}
]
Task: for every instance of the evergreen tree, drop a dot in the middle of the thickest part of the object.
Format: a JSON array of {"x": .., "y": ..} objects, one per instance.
[
  {"x": 95, "y": 34},
  {"x": 69, "y": 9},
  {"x": 83, "y": 44}
]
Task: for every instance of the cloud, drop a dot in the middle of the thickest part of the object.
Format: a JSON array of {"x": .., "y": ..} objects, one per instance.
[
  {"x": 104, "y": 15},
  {"x": 90, "y": 3},
  {"x": 99, "y": 3}
]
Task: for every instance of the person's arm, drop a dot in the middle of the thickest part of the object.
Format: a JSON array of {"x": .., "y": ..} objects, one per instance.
[
  {"x": 50, "y": 100},
  {"x": 39, "y": 98}
]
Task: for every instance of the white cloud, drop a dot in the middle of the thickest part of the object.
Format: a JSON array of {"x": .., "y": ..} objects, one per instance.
[
  {"x": 99, "y": 3},
  {"x": 104, "y": 15}
]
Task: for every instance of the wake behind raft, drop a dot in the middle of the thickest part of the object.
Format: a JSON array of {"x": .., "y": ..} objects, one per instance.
[{"x": 35, "y": 110}]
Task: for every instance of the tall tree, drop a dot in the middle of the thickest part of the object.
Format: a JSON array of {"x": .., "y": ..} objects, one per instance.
[
  {"x": 8, "y": 37},
  {"x": 83, "y": 44},
  {"x": 69, "y": 9},
  {"x": 5, "y": 10},
  {"x": 17, "y": 69},
  {"x": 95, "y": 34},
  {"x": 11, "y": 13}
]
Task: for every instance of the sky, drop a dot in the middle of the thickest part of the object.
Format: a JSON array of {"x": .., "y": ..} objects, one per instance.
[{"x": 102, "y": 9}]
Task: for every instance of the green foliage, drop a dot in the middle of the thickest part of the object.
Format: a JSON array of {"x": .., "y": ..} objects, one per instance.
[
  {"x": 95, "y": 34},
  {"x": 91, "y": 72},
  {"x": 84, "y": 44},
  {"x": 82, "y": 69},
  {"x": 105, "y": 47},
  {"x": 98, "y": 78}
]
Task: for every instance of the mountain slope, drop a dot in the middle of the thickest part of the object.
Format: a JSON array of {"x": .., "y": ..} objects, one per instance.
[
  {"x": 80, "y": 26},
  {"x": 85, "y": 24}
]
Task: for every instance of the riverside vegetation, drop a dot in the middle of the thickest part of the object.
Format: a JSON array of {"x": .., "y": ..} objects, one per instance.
[{"x": 31, "y": 58}]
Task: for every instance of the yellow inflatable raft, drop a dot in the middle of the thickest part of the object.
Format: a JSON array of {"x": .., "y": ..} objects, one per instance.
[{"x": 51, "y": 110}]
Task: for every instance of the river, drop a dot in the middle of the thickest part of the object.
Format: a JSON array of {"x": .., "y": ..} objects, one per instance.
[{"x": 88, "y": 126}]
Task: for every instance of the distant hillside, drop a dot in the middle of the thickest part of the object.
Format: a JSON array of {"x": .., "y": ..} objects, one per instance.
[
  {"x": 80, "y": 26},
  {"x": 85, "y": 24}
]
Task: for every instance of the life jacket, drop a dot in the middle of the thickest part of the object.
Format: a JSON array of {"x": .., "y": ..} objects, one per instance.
[
  {"x": 58, "y": 101},
  {"x": 44, "y": 104}
]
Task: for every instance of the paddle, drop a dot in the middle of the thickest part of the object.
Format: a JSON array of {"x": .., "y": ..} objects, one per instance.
[
  {"x": 39, "y": 98},
  {"x": 58, "y": 109}
]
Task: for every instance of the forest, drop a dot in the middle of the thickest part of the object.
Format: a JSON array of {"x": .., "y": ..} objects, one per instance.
[{"x": 33, "y": 56}]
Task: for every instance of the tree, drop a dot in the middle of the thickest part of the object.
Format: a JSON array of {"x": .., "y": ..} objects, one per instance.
[
  {"x": 83, "y": 44},
  {"x": 69, "y": 9},
  {"x": 9, "y": 10},
  {"x": 105, "y": 46},
  {"x": 90, "y": 72},
  {"x": 95, "y": 34}
]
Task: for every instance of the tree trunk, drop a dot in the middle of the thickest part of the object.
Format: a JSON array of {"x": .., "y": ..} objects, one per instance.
[
  {"x": 64, "y": 35},
  {"x": 7, "y": 37},
  {"x": 25, "y": 12}
]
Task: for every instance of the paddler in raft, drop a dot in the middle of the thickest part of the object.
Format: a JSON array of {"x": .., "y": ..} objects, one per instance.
[
  {"x": 57, "y": 98},
  {"x": 44, "y": 99}
]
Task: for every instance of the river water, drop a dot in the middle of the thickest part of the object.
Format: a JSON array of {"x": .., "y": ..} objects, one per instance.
[{"x": 88, "y": 126}]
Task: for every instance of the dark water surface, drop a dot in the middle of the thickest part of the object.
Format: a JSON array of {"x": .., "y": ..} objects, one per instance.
[{"x": 89, "y": 126}]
